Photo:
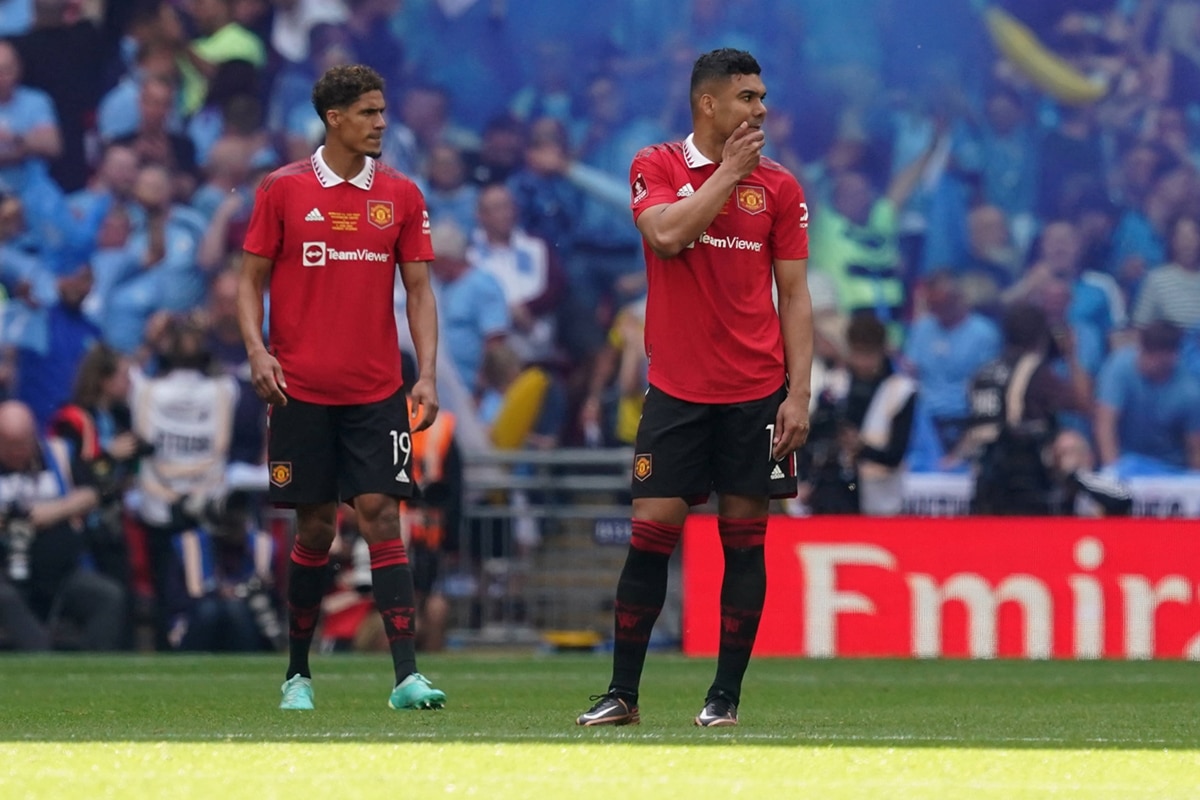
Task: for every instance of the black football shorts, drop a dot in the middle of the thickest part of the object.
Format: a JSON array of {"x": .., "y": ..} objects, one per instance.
[
  {"x": 321, "y": 453},
  {"x": 690, "y": 450}
]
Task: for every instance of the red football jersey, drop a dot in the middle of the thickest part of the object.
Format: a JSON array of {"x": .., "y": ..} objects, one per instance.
[
  {"x": 712, "y": 330},
  {"x": 335, "y": 245}
]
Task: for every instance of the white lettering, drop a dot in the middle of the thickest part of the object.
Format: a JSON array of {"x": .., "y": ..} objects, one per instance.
[
  {"x": 982, "y": 604},
  {"x": 730, "y": 243},
  {"x": 1089, "y": 600},
  {"x": 1141, "y": 605},
  {"x": 356, "y": 255},
  {"x": 822, "y": 600}
]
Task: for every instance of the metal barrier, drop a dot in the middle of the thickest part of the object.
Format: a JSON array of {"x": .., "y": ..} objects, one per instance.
[{"x": 533, "y": 557}]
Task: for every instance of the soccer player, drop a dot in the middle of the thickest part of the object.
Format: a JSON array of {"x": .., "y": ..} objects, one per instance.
[
  {"x": 729, "y": 373},
  {"x": 326, "y": 234}
]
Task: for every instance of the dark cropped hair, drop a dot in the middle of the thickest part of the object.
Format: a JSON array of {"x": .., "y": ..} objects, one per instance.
[
  {"x": 1161, "y": 336},
  {"x": 866, "y": 332},
  {"x": 1025, "y": 327},
  {"x": 722, "y": 64},
  {"x": 342, "y": 85}
]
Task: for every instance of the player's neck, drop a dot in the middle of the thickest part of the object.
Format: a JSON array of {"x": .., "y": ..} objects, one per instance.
[
  {"x": 346, "y": 164},
  {"x": 710, "y": 146}
]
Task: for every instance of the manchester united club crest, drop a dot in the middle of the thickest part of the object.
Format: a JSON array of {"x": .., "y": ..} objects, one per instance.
[
  {"x": 379, "y": 213},
  {"x": 281, "y": 473},
  {"x": 751, "y": 199},
  {"x": 643, "y": 465}
]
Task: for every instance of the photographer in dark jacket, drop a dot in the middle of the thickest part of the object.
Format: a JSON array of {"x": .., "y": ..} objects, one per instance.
[
  {"x": 861, "y": 429},
  {"x": 1015, "y": 402},
  {"x": 45, "y": 493}
]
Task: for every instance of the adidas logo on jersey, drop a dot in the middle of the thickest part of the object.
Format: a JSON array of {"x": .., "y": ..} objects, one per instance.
[
  {"x": 776, "y": 474},
  {"x": 686, "y": 190},
  {"x": 314, "y": 216}
]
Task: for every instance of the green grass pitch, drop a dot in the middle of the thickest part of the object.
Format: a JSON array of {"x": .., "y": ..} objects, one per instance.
[{"x": 208, "y": 727}]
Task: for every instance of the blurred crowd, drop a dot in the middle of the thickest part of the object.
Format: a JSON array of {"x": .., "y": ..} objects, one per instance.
[{"x": 962, "y": 218}]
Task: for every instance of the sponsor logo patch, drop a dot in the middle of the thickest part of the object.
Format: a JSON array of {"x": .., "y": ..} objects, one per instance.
[
  {"x": 379, "y": 213},
  {"x": 313, "y": 254},
  {"x": 804, "y": 215},
  {"x": 643, "y": 466},
  {"x": 281, "y": 473},
  {"x": 751, "y": 199}
]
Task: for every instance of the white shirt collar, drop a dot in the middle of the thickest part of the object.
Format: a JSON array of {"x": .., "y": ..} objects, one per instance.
[
  {"x": 328, "y": 177},
  {"x": 692, "y": 154}
]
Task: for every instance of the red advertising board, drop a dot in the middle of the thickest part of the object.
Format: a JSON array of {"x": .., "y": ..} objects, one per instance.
[{"x": 968, "y": 587}]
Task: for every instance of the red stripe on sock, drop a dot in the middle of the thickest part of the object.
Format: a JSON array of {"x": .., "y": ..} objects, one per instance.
[
  {"x": 742, "y": 533},
  {"x": 655, "y": 537},
  {"x": 388, "y": 554},
  {"x": 307, "y": 557}
]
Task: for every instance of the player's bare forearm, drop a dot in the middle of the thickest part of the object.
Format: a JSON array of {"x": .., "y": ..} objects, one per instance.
[
  {"x": 266, "y": 375},
  {"x": 671, "y": 227},
  {"x": 252, "y": 287},
  {"x": 796, "y": 325},
  {"x": 422, "y": 316},
  {"x": 423, "y": 325},
  {"x": 796, "y": 328}
]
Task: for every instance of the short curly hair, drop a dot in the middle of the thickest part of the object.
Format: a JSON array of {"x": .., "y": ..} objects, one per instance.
[{"x": 340, "y": 86}]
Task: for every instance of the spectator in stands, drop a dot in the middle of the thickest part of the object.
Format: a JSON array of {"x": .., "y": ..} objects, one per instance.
[
  {"x": 448, "y": 195},
  {"x": 481, "y": 70},
  {"x": 501, "y": 150},
  {"x": 1068, "y": 158},
  {"x": 65, "y": 55},
  {"x": 1096, "y": 300},
  {"x": 44, "y": 492},
  {"x": 548, "y": 204},
  {"x": 472, "y": 311},
  {"x": 424, "y": 121},
  {"x": 232, "y": 108},
  {"x": 1148, "y": 407},
  {"x": 221, "y": 39},
  {"x": 1171, "y": 292},
  {"x": 993, "y": 260},
  {"x": 47, "y": 363},
  {"x": 371, "y": 37},
  {"x": 171, "y": 232},
  {"x": 945, "y": 347},
  {"x": 293, "y": 21},
  {"x": 155, "y": 143},
  {"x": 604, "y": 264},
  {"x": 1008, "y": 157},
  {"x": 111, "y": 184},
  {"x": 1140, "y": 240},
  {"x": 29, "y": 131},
  {"x": 527, "y": 271},
  {"x": 855, "y": 240},
  {"x": 119, "y": 113},
  {"x": 228, "y": 173}
]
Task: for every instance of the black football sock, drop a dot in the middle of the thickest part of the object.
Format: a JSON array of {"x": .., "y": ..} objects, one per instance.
[
  {"x": 307, "y": 572},
  {"x": 641, "y": 592},
  {"x": 392, "y": 585},
  {"x": 743, "y": 590}
]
